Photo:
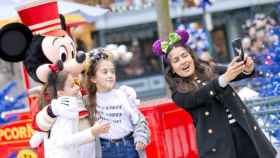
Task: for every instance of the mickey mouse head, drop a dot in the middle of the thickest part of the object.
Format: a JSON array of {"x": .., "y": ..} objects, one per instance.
[
  {"x": 40, "y": 41},
  {"x": 17, "y": 43}
]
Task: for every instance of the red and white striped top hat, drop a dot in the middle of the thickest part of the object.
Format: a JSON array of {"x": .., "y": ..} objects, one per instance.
[{"x": 41, "y": 16}]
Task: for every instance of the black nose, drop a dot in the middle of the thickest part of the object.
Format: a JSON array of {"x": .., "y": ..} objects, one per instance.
[{"x": 80, "y": 57}]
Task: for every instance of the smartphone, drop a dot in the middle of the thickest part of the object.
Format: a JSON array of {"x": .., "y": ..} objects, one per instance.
[{"x": 238, "y": 49}]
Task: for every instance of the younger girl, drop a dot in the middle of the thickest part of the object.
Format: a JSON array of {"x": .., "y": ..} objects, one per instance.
[
  {"x": 129, "y": 132},
  {"x": 71, "y": 134}
]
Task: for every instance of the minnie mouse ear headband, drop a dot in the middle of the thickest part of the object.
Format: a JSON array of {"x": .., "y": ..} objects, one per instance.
[
  {"x": 162, "y": 48},
  {"x": 98, "y": 54},
  {"x": 94, "y": 56}
]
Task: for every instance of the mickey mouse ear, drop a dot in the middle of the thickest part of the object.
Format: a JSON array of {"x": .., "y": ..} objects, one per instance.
[{"x": 14, "y": 41}]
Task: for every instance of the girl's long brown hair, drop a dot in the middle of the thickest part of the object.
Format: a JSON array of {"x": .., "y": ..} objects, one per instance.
[
  {"x": 203, "y": 71},
  {"x": 91, "y": 87},
  {"x": 56, "y": 82}
]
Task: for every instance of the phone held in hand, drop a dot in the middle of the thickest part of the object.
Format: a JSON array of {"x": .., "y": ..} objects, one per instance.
[{"x": 238, "y": 49}]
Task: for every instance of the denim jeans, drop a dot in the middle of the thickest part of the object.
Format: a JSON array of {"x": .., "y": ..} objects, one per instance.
[{"x": 121, "y": 149}]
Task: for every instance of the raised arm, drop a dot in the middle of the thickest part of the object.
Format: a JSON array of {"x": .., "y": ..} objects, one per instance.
[
  {"x": 82, "y": 137},
  {"x": 195, "y": 99}
]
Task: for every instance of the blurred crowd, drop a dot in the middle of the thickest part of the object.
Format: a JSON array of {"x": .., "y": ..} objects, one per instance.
[
  {"x": 134, "y": 61},
  {"x": 259, "y": 35}
]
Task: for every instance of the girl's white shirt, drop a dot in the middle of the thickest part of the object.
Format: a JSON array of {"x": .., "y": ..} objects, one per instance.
[{"x": 114, "y": 107}]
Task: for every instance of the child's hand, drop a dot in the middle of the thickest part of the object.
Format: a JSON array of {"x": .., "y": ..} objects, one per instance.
[
  {"x": 140, "y": 146},
  {"x": 100, "y": 127}
]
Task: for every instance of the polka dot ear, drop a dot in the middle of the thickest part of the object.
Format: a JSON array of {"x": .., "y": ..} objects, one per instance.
[{"x": 14, "y": 41}]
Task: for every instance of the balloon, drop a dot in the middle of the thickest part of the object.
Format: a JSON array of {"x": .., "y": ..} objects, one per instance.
[{"x": 8, "y": 103}]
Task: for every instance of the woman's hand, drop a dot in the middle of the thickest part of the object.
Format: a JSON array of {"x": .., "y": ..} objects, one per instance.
[
  {"x": 140, "y": 146},
  {"x": 249, "y": 65},
  {"x": 234, "y": 69}
]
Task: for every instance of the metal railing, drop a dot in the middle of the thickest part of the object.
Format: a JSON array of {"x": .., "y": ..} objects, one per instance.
[{"x": 263, "y": 109}]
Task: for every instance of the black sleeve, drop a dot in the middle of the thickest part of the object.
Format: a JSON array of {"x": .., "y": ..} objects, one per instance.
[
  {"x": 195, "y": 99},
  {"x": 243, "y": 76},
  {"x": 221, "y": 69}
]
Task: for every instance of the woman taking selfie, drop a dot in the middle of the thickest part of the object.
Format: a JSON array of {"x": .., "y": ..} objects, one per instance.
[{"x": 225, "y": 128}]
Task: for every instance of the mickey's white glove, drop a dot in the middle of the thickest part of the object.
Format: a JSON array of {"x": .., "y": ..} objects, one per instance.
[
  {"x": 67, "y": 107},
  {"x": 37, "y": 138},
  {"x": 131, "y": 95}
]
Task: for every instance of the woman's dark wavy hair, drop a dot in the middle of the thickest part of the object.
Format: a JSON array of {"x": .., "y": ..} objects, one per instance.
[{"x": 203, "y": 71}]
